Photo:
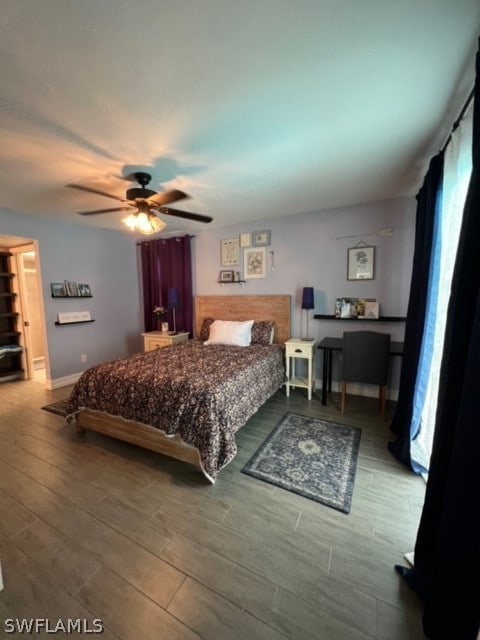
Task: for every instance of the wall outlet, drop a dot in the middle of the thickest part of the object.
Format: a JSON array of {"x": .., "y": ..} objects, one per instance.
[{"x": 83, "y": 358}]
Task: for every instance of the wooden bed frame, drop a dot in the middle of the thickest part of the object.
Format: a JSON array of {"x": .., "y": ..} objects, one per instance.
[{"x": 270, "y": 307}]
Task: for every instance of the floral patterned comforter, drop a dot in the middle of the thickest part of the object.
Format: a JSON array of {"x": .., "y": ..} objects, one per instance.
[{"x": 203, "y": 393}]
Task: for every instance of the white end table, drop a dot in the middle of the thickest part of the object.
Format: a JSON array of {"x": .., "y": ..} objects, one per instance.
[
  {"x": 305, "y": 349},
  {"x": 157, "y": 339}
]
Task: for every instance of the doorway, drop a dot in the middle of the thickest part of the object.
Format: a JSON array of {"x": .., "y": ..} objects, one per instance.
[{"x": 30, "y": 308}]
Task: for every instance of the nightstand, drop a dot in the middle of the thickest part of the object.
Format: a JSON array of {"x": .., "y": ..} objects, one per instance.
[
  {"x": 157, "y": 339},
  {"x": 305, "y": 349}
]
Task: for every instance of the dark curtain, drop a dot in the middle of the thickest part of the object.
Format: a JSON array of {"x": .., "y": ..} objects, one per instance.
[
  {"x": 167, "y": 263},
  {"x": 447, "y": 550},
  {"x": 426, "y": 210}
]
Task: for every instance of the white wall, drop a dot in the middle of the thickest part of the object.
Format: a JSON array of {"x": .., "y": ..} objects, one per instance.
[
  {"x": 104, "y": 259},
  {"x": 306, "y": 254}
]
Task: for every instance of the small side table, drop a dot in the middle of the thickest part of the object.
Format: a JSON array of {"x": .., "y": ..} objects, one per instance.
[
  {"x": 297, "y": 348},
  {"x": 157, "y": 339}
]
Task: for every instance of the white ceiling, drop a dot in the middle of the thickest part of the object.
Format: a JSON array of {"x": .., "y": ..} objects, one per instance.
[{"x": 256, "y": 108}]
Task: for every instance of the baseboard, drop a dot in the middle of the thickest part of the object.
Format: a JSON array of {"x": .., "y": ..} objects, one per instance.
[
  {"x": 370, "y": 391},
  {"x": 62, "y": 382}
]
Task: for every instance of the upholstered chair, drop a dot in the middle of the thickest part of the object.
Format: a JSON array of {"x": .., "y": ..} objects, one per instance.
[{"x": 365, "y": 360}]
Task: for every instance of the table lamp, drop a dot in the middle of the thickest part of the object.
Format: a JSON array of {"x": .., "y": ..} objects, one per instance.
[
  {"x": 307, "y": 304},
  {"x": 172, "y": 299}
]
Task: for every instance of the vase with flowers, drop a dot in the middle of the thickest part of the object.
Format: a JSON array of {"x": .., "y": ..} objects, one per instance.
[{"x": 159, "y": 313}]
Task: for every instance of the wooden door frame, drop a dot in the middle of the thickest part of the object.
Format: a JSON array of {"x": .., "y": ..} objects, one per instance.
[{"x": 20, "y": 289}]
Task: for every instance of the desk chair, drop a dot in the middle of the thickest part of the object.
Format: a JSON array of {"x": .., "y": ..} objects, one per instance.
[{"x": 365, "y": 360}]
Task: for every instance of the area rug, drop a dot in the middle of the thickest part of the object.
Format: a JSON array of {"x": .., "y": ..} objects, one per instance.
[
  {"x": 314, "y": 458},
  {"x": 59, "y": 407}
]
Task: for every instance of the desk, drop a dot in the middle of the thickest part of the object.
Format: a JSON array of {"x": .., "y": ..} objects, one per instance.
[{"x": 329, "y": 345}]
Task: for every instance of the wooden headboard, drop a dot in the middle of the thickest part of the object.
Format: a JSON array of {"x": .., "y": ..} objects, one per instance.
[{"x": 275, "y": 308}]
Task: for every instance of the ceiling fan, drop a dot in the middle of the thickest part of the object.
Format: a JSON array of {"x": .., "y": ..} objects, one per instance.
[{"x": 144, "y": 204}]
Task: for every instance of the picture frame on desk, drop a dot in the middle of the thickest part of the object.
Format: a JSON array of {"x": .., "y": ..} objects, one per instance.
[
  {"x": 357, "y": 308},
  {"x": 372, "y": 310},
  {"x": 361, "y": 263}
]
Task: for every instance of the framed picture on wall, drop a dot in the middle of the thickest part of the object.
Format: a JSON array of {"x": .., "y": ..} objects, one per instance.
[
  {"x": 84, "y": 290},
  {"x": 71, "y": 288},
  {"x": 254, "y": 263},
  {"x": 230, "y": 252},
  {"x": 261, "y": 238},
  {"x": 226, "y": 276},
  {"x": 360, "y": 263},
  {"x": 58, "y": 289},
  {"x": 245, "y": 240}
]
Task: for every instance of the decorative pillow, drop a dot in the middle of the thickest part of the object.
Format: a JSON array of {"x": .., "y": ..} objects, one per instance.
[
  {"x": 262, "y": 332},
  {"x": 230, "y": 332},
  {"x": 205, "y": 329}
]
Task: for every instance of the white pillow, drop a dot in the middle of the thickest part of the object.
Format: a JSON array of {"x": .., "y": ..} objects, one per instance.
[{"x": 230, "y": 332}]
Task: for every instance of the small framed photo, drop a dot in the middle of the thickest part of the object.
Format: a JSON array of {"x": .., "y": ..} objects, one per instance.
[
  {"x": 261, "y": 238},
  {"x": 84, "y": 290},
  {"x": 360, "y": 263},
  {"x": 226, "y": 276},
  {"x": 372, "y": 309},
  {"x": 71, "y": 288},
  {"x": 58, "y": 289},
  {"x": 254, "y": 263},
  {"x": 245, "y": 240},
  {"x": 230, "y": 252}
]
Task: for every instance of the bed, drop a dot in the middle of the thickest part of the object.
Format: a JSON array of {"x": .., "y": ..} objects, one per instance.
[{"x": 187, "y": 401}]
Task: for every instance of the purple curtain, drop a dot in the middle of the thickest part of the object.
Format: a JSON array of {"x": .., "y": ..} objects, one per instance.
[{"x": 167, "y": 263}]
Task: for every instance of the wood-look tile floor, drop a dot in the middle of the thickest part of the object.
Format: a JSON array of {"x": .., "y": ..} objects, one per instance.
[{"x": 94, "y": 528}]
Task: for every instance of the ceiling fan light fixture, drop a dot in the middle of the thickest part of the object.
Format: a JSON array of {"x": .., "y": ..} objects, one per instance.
[
  {"x": 130, "y": 221},
  {"x": 145, "y": 223},
  {"x": 157, "y": 224}
]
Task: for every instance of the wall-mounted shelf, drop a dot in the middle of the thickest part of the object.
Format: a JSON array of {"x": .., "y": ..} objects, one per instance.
[
  {"x": 71, "y": 297},
  {"x": 320, "y": 316},
  {"x": 232, "y": 282},
  {"x": 62, "y": 324}
]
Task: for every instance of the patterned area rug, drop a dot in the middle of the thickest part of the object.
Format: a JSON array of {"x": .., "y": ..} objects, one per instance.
[
  {"x": 314, "y": 458},
  {"x": 58, "y": 407}
]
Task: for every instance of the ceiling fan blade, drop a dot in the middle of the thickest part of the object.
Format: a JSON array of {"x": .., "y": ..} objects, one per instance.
[
  {"x": 160, "y": 199},
  {"x": 91, "y": 213},
  {"x": 97, "y": 191},
  {"x": 184, "y": 214}
]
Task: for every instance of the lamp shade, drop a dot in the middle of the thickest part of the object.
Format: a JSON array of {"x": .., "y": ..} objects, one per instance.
[
  {"x": 307, "y": 298},
  {"x": 172, "y": 297}
]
